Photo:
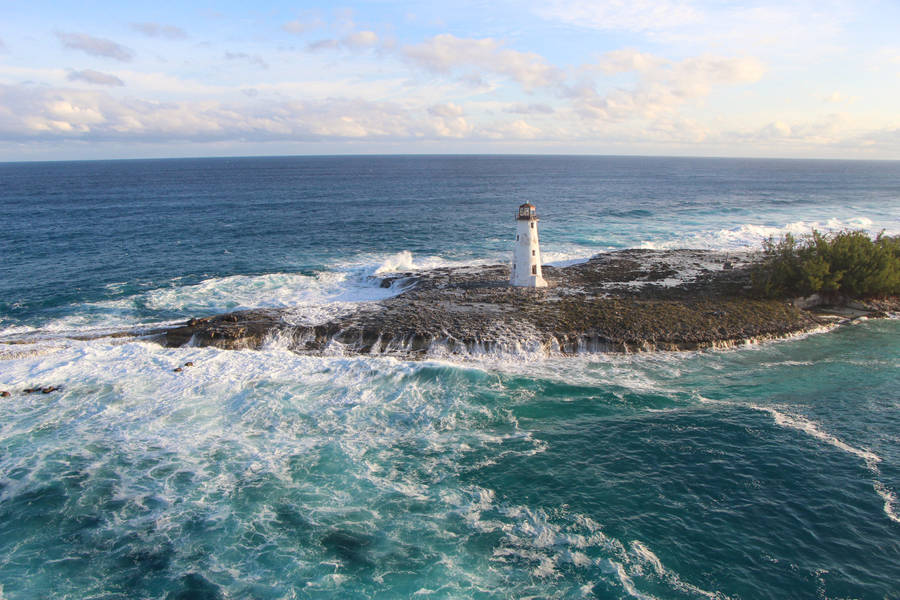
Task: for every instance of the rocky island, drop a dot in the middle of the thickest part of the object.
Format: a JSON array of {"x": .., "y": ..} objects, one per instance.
[{"x": 625, "y": 301}]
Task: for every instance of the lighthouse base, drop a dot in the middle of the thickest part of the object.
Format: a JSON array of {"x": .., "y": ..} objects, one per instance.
[{"x": 533, "y": 281}]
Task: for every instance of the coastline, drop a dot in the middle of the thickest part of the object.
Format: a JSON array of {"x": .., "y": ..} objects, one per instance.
[{"x": 624, "y": 301}]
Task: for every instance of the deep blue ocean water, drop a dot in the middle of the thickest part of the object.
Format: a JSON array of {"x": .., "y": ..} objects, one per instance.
[{"x": 769, "y": 471}]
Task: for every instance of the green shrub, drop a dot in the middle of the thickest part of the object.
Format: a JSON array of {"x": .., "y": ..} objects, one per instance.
[{"x": 846, "y": 262}]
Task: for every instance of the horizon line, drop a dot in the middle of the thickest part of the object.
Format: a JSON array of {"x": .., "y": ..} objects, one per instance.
[{"x": 446, "y": 155}]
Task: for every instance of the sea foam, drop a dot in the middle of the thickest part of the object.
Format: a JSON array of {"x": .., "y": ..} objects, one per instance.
[{"x": 750, "y": 236}]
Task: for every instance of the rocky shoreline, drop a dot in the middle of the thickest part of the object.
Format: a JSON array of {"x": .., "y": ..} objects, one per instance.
[{"x": 626, "y": 301}]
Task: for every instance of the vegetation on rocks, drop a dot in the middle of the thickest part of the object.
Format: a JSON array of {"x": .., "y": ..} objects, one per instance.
[{"x": 847, "y": 263}]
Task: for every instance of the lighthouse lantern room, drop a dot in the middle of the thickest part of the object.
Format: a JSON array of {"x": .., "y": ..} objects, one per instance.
[{"x": 526, "y": 266}]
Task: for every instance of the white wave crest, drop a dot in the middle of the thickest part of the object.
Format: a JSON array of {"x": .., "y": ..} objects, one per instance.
[
  {"x": 274, "y": 290},
  {"x": 804, "y": 425},
  {"x": 405, "y": 261},
  {"x": 645, "y": 556},
  {"x": 751, "y": 235},
  {"x": 810, "y": 428},
  {"x": 313, "y": 299},
  {"x": 870, "y": 458}
]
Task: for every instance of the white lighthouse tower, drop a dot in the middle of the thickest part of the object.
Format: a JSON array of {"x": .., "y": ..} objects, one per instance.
[{"x": 526, "y": 267}]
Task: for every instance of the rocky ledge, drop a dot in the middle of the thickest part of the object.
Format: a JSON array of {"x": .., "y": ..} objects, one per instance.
[{"x": 632, "y": 300}]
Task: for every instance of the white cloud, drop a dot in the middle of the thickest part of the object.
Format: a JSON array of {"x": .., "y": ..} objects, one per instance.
[
  {"x": 298, "y": 26},
  {"x": 34, "y": 114},
  {"x": 470, "y": 90},
  {"x": 449, "y": 110},
  {"x": 626, "y": 60},
  {"x": 361, "y": 39},
  {"x": 530, "y": 109},
  {"x": 515, "y": 130},
  {"x": 629, "y": 15},
  {"x": 158, "y": 30},
  {"x": 165, "y": 86},
  {"x": 446, "y": 52},
  {"x": 251, "y": 58},
  {"x": 328, "y": 44},
  {"x": 887, "y": 139},
  {"x": 838, "y": 97},
  {"x": 95, "y": 46},
  {"x": 662, "y": 85},
  {"x": 797, "y": 30},
  {"x": 776, "y": 129},
  {"x": 95, "y": 77},
  {"x": 831, "y": 130},
  {"x": 885, "y": 58},
  {"x": 800, "y": 28},
  {"x": 39, "y": 112},
  {"x": 448, "y": 120},
  {"x": 357, "y": 40},
  {"x": 696, "y": 76}
]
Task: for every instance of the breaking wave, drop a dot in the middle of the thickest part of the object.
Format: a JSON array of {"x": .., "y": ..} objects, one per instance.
[{"x": 750, "y": 236}]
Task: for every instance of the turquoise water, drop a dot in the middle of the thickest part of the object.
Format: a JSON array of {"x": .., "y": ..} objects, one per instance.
[{"x": 769, "y": 471}]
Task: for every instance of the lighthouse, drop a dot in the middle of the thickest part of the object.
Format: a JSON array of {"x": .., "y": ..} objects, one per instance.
[{"x": 526, "y": 266}]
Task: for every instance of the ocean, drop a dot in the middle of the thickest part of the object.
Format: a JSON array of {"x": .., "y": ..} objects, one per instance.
[{"x": 767, "y": 471}]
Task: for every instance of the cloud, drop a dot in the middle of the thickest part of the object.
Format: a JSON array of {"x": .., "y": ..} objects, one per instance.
[
  {"x": 37, "y": 114},
  {"x": 448, "y": 120},
  {"x": 446, "y": 52},
  {"x": 662, "y": 85},
  {"x": 825, "y": 130},
  {"x": 449, "y": 110},
  {"x": 623, "y": 61},
  {"x": 95, "y": 46},
  {"x": 251, "y": 58},
  {"x": 515, "y": 130},
  {"x": 298, "y": 27},
  {"x": 628, "y": 15},
  {"x": 43, "y": 113},
  {"x": 840, "y": 98},
  {"x": 357, "y": 40},
  {"x": 158, "y": 30},
  {"x": 885, "y": 58},
  {"x": 770, "y": 28},
  {"x": 530, "y": 109},
  {"x": 834, "y": 134},
  {"x": 323, "y": 45},
  {"x": 95, "y": 77},
  {"x": 2, "y": 46},
  {"x": 361, "y": 39},
  {"x": 886, "y": 139}
]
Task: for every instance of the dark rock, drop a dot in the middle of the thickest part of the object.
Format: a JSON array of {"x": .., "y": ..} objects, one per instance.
[
  {"x": 189, "y": 364},
  {"x": 178, "y": 369},
  {"x": 233, "y": 331},
  {"x": 619, "y": 301},
  {"x": 4, "y": 394},
  {"x": 48, "y": 389}
]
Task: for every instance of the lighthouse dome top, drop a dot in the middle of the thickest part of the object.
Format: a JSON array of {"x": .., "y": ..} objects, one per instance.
[{"x": 527, "y": 211}]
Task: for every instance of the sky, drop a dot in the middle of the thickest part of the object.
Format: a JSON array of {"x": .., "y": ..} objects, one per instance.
[{"x": 798, "y": 79}]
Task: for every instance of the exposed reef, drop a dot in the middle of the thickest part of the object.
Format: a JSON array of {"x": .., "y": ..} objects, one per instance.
[{"x": 632, "y": 300}]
